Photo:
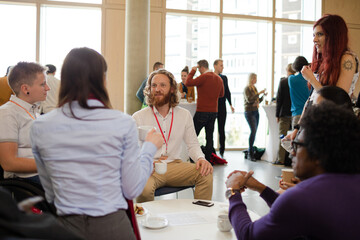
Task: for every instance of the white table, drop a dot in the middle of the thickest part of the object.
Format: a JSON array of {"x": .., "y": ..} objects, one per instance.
[
  {"x": 273, "y": 140},
  {"x": 184, "y": 207},
  {"x": 191, "y": 107}
]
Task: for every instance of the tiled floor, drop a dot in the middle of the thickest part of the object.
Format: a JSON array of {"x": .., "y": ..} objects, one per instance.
[{"x": 265, "y": 172}]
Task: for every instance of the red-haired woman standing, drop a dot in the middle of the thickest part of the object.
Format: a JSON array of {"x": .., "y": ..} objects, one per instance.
[{"x": 332, "y": 63}]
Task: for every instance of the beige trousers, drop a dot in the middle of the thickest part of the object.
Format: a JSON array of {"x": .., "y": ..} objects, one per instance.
[
  {"x": 284, "y": 127},
  {"x": 178, "y": 174}
]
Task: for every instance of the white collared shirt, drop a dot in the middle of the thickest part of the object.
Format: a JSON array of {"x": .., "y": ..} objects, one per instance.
[
  {"x": 15, "y": 123},
  {"x": 182, "y": 130}
]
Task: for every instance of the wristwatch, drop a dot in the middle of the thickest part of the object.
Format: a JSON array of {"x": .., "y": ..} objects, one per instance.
[{"x": 231, "y": 192}]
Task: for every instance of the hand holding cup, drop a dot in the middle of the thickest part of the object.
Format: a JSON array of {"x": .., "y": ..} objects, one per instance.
[
  {"x": 155, "y": 138},
  {"x": 287, "y": 174}
]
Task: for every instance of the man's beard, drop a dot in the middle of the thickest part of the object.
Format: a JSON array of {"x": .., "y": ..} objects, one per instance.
[{"x": 161, "y": 102}]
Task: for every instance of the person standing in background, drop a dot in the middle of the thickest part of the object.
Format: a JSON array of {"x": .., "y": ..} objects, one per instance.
[
  {"x": 283, "y": 111},
  {"x": 333, "y": 63},
  {"x": 299, "y": 91},
  {"x": 140, "y": 92},
  {"x": 5, "y": 90},
  {"x": 218, "y": 69},
  {"x": 186, "y": 92},
  {"x": 53, "y": 94},
  {"x": 209, "y": 87},
  {"x": 251, "y": 103}
]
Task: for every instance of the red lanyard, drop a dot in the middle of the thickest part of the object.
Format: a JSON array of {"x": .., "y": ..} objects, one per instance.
[
  {"x": 172, "y": 119},
  {"x": 23, "y": 108}
]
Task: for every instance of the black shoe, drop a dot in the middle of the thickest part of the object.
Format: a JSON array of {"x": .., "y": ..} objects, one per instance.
[
  {"x": 278, "y": 163},
  {"x": 252, "y": 158}
]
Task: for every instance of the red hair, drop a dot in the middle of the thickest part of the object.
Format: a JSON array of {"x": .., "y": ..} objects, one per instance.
[{"x": 328, "y": 63}]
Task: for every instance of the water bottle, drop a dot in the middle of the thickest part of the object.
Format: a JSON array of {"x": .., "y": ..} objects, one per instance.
[{"x": 285, "y": 143}]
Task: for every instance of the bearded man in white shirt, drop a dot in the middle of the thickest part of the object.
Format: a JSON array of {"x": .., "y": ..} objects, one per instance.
[{"x": 176, "y": 125}]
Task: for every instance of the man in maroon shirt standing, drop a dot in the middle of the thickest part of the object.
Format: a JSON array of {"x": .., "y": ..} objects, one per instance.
[{"x": 210, "y": 88}]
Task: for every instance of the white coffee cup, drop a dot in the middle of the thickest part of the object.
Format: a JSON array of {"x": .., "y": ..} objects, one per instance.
[
  {"x": 160, "y": 167},
  {"x": 143, "y": 131},
  {"x": 223, "y": 223}
]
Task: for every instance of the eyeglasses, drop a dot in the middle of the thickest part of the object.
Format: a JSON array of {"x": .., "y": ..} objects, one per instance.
[{"x": 295, "y": 144}]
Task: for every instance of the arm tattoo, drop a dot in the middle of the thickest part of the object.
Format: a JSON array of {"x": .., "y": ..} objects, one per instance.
[{"x": 348, "y": 65}]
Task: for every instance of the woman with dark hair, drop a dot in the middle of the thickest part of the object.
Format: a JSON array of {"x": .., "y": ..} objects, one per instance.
[
  {"x": 325, "y": 205},
  {"x": 299, "y": 91},
  {"x": 336, "y": 95},
  {"x": 186, "y": 92},
  {"x": 87, "y": 154}
]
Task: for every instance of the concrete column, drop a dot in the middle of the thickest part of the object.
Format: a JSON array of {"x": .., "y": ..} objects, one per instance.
[{"x": 137, "y": 30}]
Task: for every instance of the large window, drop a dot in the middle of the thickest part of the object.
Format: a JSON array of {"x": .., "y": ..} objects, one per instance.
[
  {"x": 298, "y": 9},
  {"x": 80, "y": 28},
  {"x": 18, "y": 34},
  {"x": 246, "y": 49},
  {"x": 195, "y": 5},
  {"x": 250, "y": 36},
  {"x": 61, "y": 28},
  {"x": 249, "y": 7},
  {"x": 291, "y": 40},
  {"x": 189, "y": 39},
  {"x": 80, "y": 1}
]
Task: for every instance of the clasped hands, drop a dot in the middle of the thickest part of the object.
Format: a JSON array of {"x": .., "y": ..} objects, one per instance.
[{"x": 242, "y": 180}]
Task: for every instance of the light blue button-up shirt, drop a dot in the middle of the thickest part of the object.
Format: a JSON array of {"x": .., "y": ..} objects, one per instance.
[{"x": 88, "y": 166}]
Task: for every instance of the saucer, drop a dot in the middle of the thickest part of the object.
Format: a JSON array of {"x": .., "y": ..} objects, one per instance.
[{"x": 154, "y": 222}]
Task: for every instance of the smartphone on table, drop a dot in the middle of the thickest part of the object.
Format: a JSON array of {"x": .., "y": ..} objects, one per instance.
[{"x": 203, "y": 203}]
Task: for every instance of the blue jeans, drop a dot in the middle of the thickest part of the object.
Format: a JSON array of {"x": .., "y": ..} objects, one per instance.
[
  {"x": 252, "y": 117},
  {"x": 207, "y": 120}
]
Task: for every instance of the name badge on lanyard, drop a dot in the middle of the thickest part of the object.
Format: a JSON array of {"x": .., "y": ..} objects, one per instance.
[{"x": 164, "y": 156}]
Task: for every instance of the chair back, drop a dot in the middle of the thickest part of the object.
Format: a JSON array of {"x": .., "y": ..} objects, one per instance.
[
  {"x": 168, "y": 190},
  {"x": 21, "y": 189}
]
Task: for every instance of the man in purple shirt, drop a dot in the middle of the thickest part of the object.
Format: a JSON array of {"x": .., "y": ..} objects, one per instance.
[{"x": 325, "y": 205}]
